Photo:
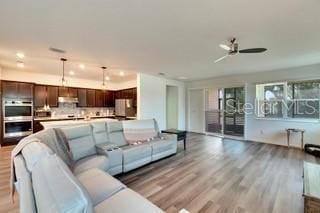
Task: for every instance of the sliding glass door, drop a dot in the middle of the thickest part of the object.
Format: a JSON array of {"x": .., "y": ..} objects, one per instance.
[
  {"x": 224, "y": 111},
  {"x": 213, "y": 112},
  {"x": 233, "y": 112}
]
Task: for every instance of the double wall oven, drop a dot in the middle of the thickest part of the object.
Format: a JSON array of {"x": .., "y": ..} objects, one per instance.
[{"x": 18, "y": 117}]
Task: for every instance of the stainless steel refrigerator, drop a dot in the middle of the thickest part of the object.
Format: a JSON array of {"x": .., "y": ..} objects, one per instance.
[{"x": 124, "y": 107}]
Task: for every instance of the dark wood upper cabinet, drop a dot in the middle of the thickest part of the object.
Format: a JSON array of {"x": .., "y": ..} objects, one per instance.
[
  {"x": 73, "y": 92},
  {"x": 52, "y": 96},
  {"x": 82, "y": 97},
  {"x": 91, "y": 98},
  {"x": 40, "y": 95},
  {"x": 68, "y": 92},
  {"x": 63, "y": 91},
  {"x": 45, "y": 95},
  {"x": 99, "y": 98},
  {"x": 9, "y": 89},
  {"x": 25, "y": 90},
  {"x": 109, "y": 98},
  {"x": 17, "y": 90}
]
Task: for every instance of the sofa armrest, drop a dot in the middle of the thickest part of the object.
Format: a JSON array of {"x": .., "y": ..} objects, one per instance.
[{"x": 102, "y": 149}]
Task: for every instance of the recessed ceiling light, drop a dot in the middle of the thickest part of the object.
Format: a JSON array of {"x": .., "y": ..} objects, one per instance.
[
  {"x": 82, "y": 66},
  {"x": 71, "y": 72},
  {"x": 20, "y": 55},
  {"x": 20, "y": 64},
  {"x": 107, "y": 78},
  {"x": 121, "y": 73},
  {"x": 183, "y": 78}
]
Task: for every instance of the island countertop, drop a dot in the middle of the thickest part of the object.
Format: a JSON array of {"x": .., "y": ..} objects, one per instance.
[{"x": 65, "y": 123}]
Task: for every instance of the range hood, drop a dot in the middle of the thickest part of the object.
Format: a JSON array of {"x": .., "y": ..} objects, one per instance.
[{"x": 67, "y": 100}]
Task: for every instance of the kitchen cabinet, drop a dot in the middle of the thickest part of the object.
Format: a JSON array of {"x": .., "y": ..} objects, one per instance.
[
  {"x": 73, "y": 92},
  {"x": 45, "y": 95},
  {"x": 25, "y": 90},
  {"x": 68, "y": 92},
  {"x": 109, "y": 98},
  {"x": 82, "y": 97},
  {"x": 91, "y": 98},
  {"x": 15, "y": 90},
  {"x": 9, "y": 89},
  {"x": 52, "y": 96},
  {"x": 99, "y": 95},
  {"x": 40, "y": 95},
  {"x": 63, "y": 91},
  {"x": 126, "y": 94}
]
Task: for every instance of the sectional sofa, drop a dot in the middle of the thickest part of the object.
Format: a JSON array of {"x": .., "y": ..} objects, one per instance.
[{"x": 70, "y": 169}]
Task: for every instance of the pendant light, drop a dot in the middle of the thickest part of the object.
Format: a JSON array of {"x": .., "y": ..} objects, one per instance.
[
  {"x": 104, "y": 87},
  {"x": 63, "y": 80}
]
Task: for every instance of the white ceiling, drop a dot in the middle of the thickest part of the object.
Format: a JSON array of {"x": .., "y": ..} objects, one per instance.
[{"x": 178, "y": 38}]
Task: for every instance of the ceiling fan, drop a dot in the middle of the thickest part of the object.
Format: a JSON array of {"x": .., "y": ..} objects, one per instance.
[{"x": 232, "y": 49}]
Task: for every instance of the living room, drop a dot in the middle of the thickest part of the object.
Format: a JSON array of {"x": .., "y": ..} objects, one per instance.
[{"x": 159, "y": 106}]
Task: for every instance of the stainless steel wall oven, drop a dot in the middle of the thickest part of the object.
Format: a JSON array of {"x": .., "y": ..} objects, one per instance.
[{"x": 17, "y": 118}]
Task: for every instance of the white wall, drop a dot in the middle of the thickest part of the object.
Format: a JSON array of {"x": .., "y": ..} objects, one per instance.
[
  {"x": 264, "y": 130},
  {"x": 172, "y": 107},
  {"x": 18, "y": 75},
  {"x": 152, "y": 99}
]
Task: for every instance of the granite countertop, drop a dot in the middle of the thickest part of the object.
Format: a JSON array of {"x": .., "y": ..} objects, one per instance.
[
  {"x": 47, "y": 124},
  {"x": 70, "y": 118}
]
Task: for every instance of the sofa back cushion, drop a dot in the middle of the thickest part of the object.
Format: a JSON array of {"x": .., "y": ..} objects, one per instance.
[
  {"x": 115, "y": 133},
  {"x": 56, "y": 141},
  {"x": 80, "y": 140},
  {"x": 99, "y": 130},
  {"x": 57, "y": 190},
  {"x": 139, "y": 130},
  {"x": 34, "y": 152}
]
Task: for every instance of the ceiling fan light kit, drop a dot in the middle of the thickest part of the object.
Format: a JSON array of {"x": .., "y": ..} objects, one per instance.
[{"x": 232, "y": 49}]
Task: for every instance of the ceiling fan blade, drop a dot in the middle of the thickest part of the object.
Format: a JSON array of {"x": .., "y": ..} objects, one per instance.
[
  {"x": 253, "y": 50},
  {"x": 225, "y": 47},
  {"x": 219, "y": 59}
]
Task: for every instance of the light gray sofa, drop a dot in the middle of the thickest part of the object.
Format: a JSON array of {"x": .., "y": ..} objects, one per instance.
[{"x": 52, "y": 179}]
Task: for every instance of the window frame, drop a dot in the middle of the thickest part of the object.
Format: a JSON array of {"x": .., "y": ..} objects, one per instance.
[{"x": 286, "y": 99}]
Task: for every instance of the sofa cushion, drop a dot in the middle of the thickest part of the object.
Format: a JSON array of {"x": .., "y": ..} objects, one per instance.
[
  {"x": 99, "y": 184},
  {"x": 55, "y": 140},
  {"x": 56, "y": 189},
  {"x": 99, "y": 132},
  {"x": 34, "y": 152},
  {"x": 162, "y": 145},
  {"x": 139, "y": 130},
  {"x": 94, "y": 161},
  {"x": 127, "y": 200},
  {"x": 136, "y": 152},
  {"x": 81, "y": 141},
  {"x": 115, "y": 133}
]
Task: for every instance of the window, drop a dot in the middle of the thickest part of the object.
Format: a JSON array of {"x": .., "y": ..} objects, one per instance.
[
  {"x": 270, "y": 99},
  {"x": 303, "y": 99},
  {"x": 289, "y": 100}
]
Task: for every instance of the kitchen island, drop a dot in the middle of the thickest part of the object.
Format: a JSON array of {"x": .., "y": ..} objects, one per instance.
[{"x": 65, "y": 123}]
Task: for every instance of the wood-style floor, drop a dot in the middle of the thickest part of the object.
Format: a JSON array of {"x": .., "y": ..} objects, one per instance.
[
  {"x": 216, "y": 175},
  {"x": 213, "y": 175}
]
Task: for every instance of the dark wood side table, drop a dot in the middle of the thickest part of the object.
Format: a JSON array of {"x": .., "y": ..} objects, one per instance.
[{"x": 181, "y": 134}]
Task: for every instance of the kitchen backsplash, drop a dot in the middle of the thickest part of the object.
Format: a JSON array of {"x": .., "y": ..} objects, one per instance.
[{"x": 72, "y": 109}]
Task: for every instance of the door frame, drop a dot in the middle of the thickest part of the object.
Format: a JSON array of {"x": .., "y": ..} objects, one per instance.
[{"x": 203, "y": 131}]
